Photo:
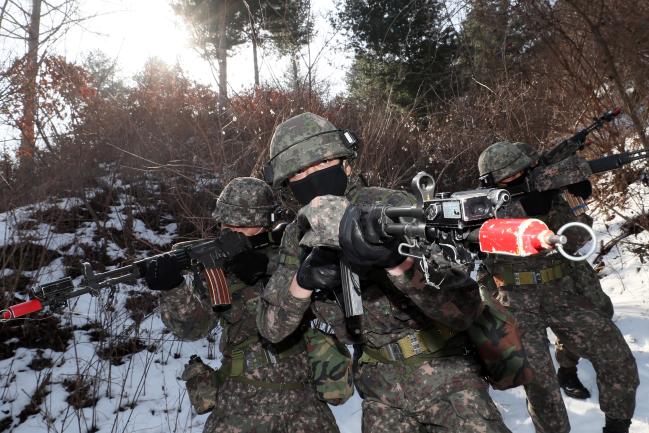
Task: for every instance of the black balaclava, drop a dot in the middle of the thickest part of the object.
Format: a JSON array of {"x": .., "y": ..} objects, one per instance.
[{"x": 328, "y": 181}]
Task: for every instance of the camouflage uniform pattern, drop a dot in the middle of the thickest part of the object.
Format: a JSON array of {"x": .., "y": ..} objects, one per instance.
[
  {"x": 302, "y": 141},
  {"x": 244, "y": 407},
  {"x": 439, "y": 394},
  {"x": 587, "y": 282},
  {"x": 574, "y": 319},
  {"x": 245, "y": 202}
]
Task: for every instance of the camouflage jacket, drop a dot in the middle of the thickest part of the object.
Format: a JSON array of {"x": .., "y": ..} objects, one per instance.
[
  {"x": 393, "y": 306},
  {"x": 188, "y": 313}
]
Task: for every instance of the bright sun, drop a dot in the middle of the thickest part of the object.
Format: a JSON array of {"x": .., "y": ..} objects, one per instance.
[{"x": 151, "y": 29}]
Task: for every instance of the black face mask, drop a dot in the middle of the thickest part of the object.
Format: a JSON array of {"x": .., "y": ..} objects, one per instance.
[{"x": 329, "y": 181}]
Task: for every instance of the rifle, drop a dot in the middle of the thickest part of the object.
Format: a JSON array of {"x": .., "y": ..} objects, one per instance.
[
  {"x": 560, "y": 167},
  {"x": 462, "y": 224},
  {"x": 204, "y": 257}
]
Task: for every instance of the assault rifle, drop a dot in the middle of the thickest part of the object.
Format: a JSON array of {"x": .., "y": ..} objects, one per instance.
[
  {"x": 560, "y": 167},
  {"x": 461, "y": 224},
  {"x": 204, "y": 257}
]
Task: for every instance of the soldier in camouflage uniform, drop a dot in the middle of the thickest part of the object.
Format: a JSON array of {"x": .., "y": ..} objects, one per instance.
[
  {"x": 587, "y": 285},
  {"x": 416, "y": 372},
  {"x": 544, "y": 291},
  {"x": 590, "y": 287},
  {"x": 262, "y": 387}
]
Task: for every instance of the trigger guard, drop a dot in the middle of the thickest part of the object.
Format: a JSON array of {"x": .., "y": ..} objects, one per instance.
[{"x": 590, "y": 232}]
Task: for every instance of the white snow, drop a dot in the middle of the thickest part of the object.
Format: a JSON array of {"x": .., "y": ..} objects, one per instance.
[{"x": 151, "y": 379}]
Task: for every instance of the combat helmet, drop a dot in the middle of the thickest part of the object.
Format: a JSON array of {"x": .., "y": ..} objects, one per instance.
[
  {"x": 504, "y": 159},
  {"x": 245, "y": 202},
  {"x": 302, "y": 141}
]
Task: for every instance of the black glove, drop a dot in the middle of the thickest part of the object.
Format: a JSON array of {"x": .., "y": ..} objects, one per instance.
[
  {"x": 164, "y": 273},
  {"x": 583, "y": 189},
  {"x": 357, "y": 237},
  {"x": 320, "y": 270},
  {"x": 249, "y": 266}
]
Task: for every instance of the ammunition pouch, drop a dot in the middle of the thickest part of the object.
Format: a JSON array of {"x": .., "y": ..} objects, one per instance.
[
  {"x": 202, "y": 385},
  {"x": 331, "y": 364},
  {"x": 498, "y": 344}
]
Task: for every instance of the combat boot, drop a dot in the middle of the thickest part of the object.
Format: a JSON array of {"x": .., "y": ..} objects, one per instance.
[
  {"x": 569, "y": 381},
  {"x": 616, "y": 425}
]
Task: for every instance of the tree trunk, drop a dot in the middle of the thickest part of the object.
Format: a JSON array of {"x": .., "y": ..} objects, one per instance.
[
  {"x": 30, "y": 96},
  {"x": 254, "y": 56},
  {"x": 296, "y": 77},
  {"x": 222, "y": 54}
]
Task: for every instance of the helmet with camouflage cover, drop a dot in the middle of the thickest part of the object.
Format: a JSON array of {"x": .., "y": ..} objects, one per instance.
[
  {"x": 245, "y": 202},
  {"x": 302, "y": 141},
  {"x": 504, "y": 159}
]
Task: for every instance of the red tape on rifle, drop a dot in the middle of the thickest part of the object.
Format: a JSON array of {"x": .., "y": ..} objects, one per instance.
[{"x": 22, "y": 309}]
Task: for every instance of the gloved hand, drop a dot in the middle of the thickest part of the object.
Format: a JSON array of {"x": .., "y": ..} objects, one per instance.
[
  {"x": 164, "y": 273},
  {"x": 320, "y": 270},
  {"x": 583, "y": 189},
  {"x": 249, "y": 266},
  {"x": 363, "y": 244}
]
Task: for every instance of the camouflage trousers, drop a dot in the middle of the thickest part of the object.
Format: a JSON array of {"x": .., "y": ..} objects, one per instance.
[
  {"x": 441, "y": 395},
  {"x": 242, "y": 408},
  {"x": 587, "y": 333},
  {"x": 587, "y": 284}
]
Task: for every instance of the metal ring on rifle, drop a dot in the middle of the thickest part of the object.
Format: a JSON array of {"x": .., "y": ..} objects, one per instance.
[{"x": 590, "y": 232}]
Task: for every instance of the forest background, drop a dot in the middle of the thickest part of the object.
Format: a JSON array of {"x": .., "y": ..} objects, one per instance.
[{"x": 431, "y": 83}]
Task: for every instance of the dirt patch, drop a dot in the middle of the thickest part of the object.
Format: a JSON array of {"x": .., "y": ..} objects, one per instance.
[
  {"x": 40, "y": 332},
  {"x": 13, "y": 283},
  {"x": 40, "y": 362},
  {"x": 29, "y": 224},
  {"x": 26, "y": 256},
  {"x": 141, "y": 304},
  {"x": 5, "y": 423},
  {"x": 117, "y": 350},
  {"x": 80, "y": 392}
]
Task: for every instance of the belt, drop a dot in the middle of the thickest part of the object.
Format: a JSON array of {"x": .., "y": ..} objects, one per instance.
[
  {"x": 415, "y": 348},
  {"x": 541, "y": 276},
  {"x": 242, "y": 359}
]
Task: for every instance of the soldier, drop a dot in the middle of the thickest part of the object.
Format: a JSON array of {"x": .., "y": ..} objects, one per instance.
[
  {"x": 589, "y": 286},
  {"x": 544, "y": 290},
  {"x": 262, "y": 387},
  {"x": 416, "y": 371}
]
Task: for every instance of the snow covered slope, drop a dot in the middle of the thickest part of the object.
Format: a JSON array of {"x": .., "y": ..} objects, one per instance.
[{"x": 120, "y": 369}]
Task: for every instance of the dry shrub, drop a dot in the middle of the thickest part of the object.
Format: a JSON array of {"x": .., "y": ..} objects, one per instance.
[
  {"x": 39, "y": 332},
  {"x": 81, "y": 391},
  {"x": 117, "y": 349}
]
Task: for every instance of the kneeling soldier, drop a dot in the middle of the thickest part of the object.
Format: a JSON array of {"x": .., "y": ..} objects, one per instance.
[{"x": 260, "y": 387}]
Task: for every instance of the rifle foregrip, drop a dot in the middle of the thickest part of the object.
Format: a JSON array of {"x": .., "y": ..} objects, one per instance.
[{"x": 22, "y": 309}]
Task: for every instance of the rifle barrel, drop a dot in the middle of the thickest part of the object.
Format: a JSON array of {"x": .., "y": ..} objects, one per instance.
[{"x": 616, "y": 161}]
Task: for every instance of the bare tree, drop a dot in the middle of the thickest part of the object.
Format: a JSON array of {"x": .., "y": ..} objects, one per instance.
[{"x": 33, "y": 26}]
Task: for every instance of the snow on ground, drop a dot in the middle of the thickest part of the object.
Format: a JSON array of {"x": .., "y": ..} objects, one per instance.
[{"x": 144, "y": 394}]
